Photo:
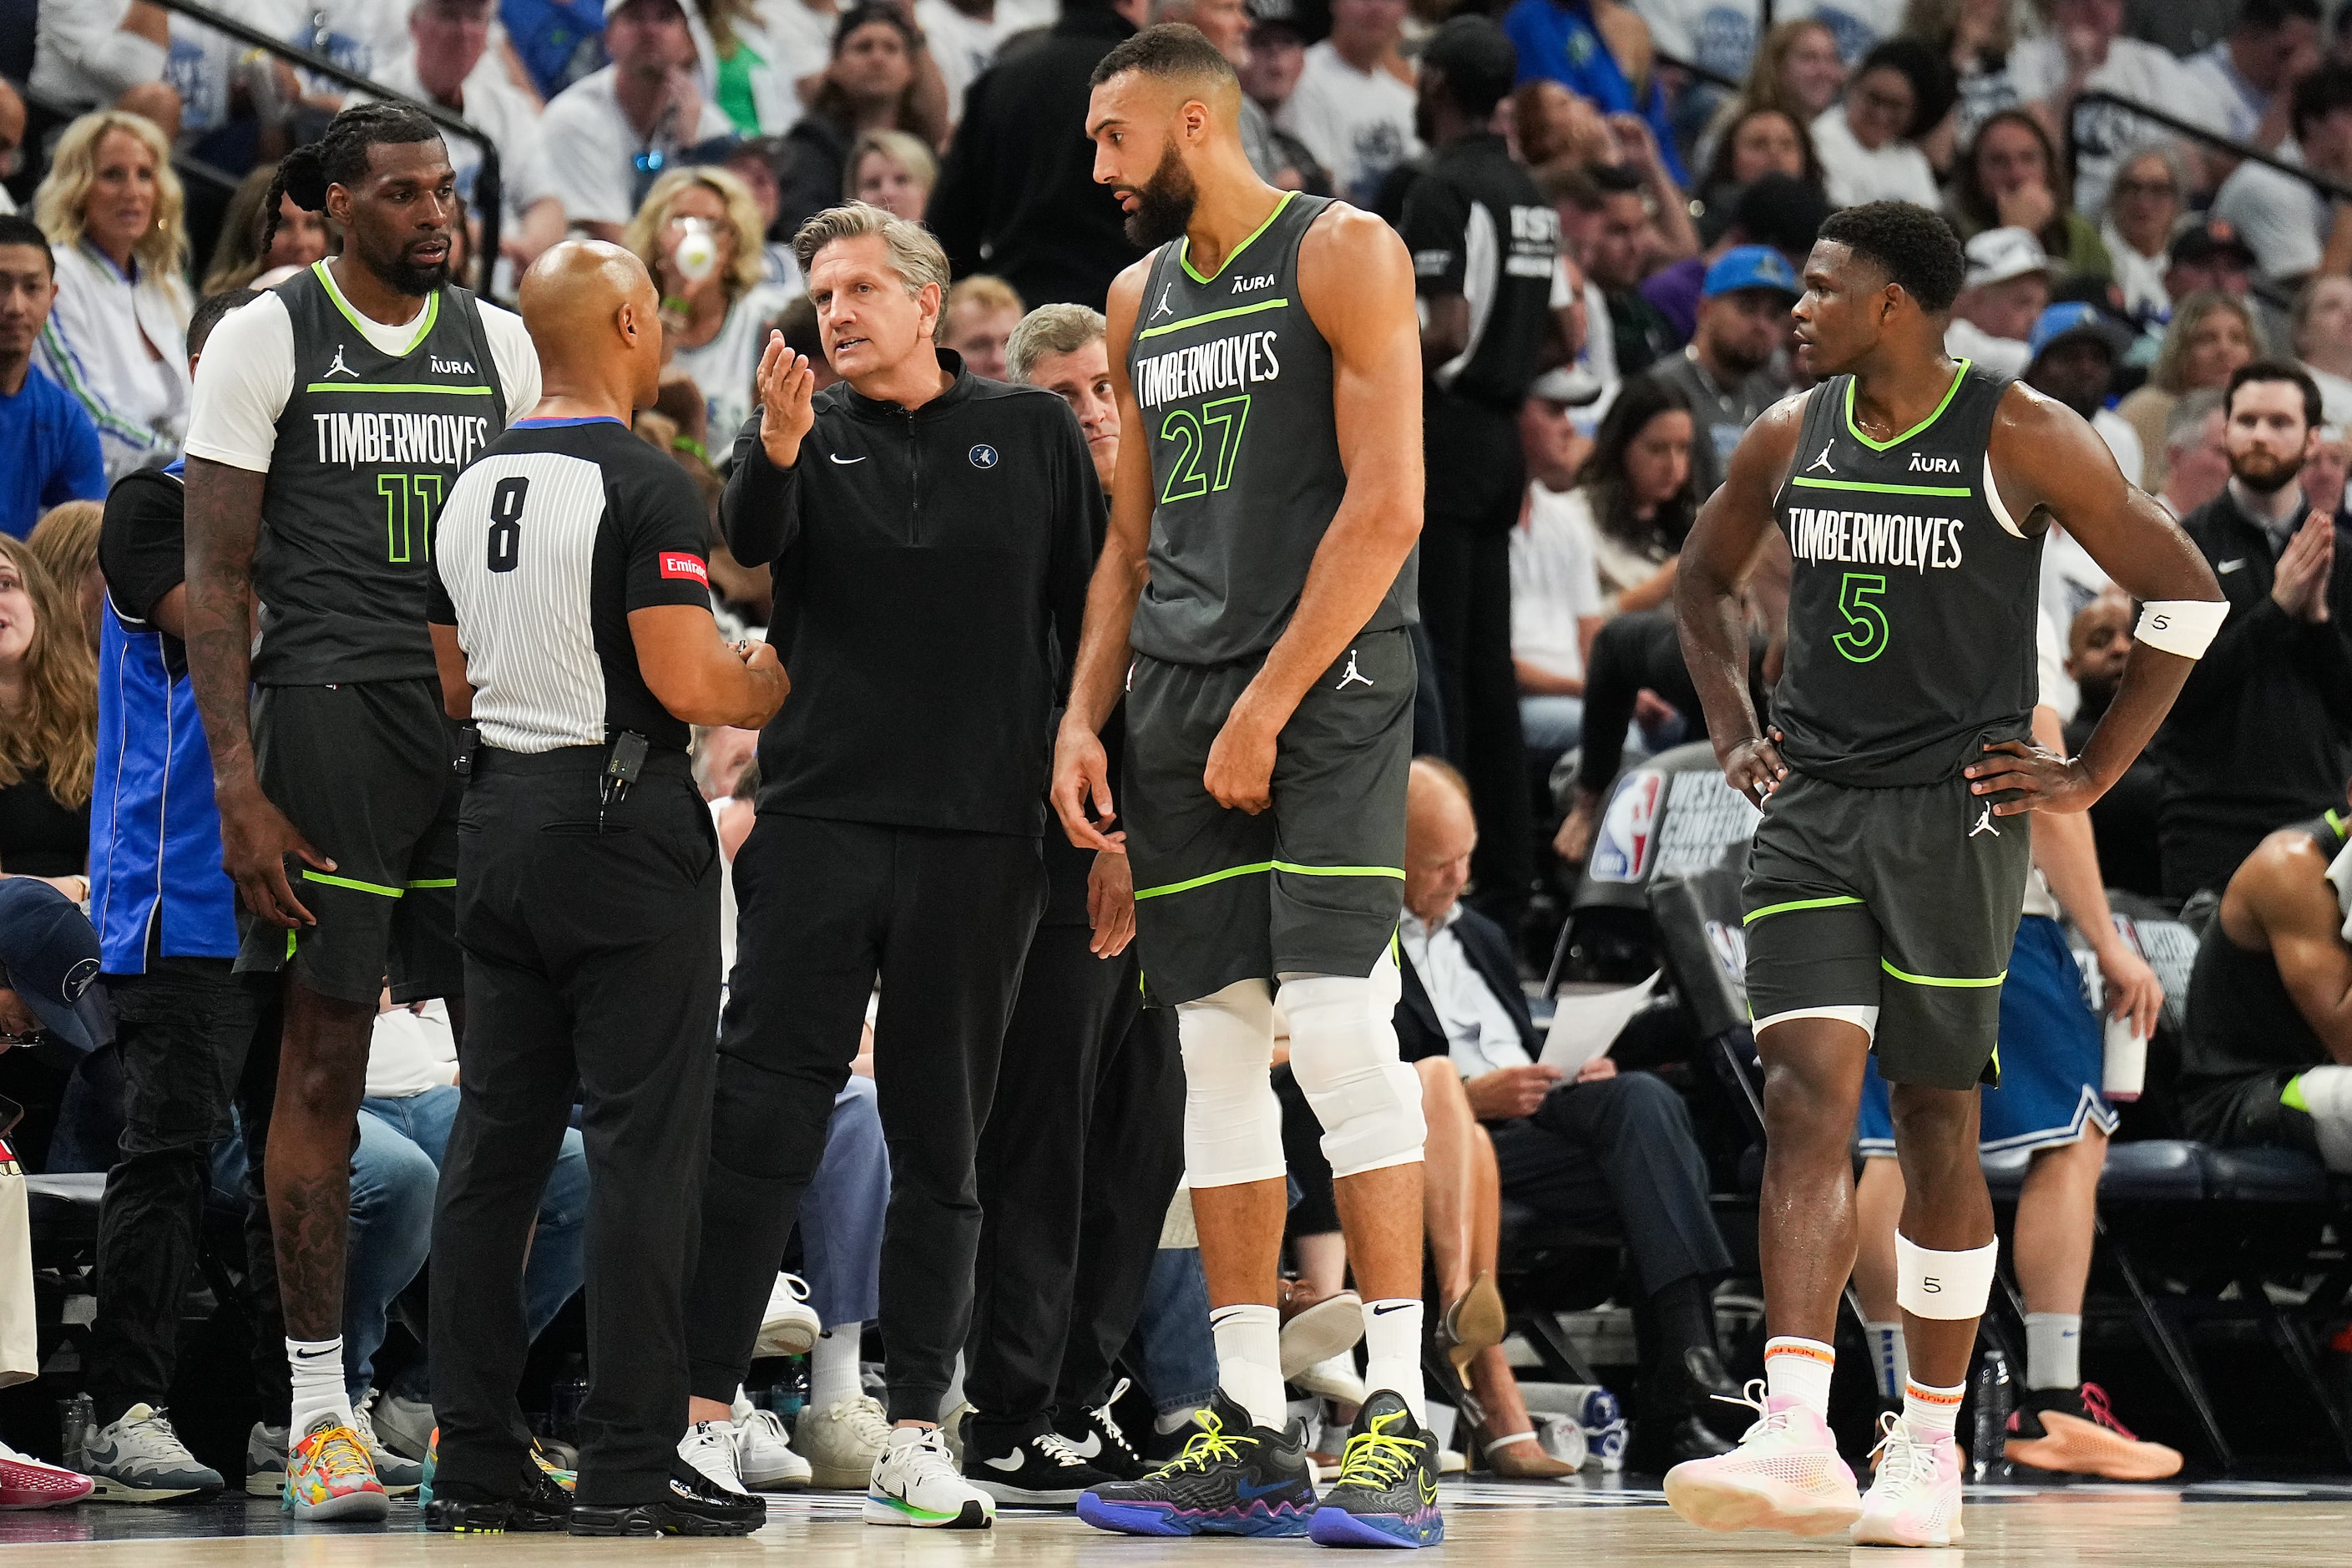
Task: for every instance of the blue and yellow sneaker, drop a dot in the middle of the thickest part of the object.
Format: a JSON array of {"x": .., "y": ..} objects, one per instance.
[
  {"x": 1233, "y": 1479},
  {"x": 1387, "y": 1491}
]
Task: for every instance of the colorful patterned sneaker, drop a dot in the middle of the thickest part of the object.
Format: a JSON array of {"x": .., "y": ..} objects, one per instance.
[
  {"x": 2072, "y": 1430},
  {"x": 432, "y": 1462},
  {"x": 395, "y": 1471},
  {"x": 915, "y": 1483},
  {"x": 26, "y": 1482},
  {"x": 328, "y": 1476},
  {"x": 140, "y": 1459},
  {"x": 1233, "y": 1479},
  {"x": 1785, "y": 1475},
  {"x": 1915, "y": 1497},
  {"x": 1387, "y": 1491},
  {"x": 567, "y": 1479}
]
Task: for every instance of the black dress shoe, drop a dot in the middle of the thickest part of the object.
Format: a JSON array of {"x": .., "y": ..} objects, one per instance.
[
  {"x": 1713, "y": 1395},
  {"x": 1660, "y": 1443}
]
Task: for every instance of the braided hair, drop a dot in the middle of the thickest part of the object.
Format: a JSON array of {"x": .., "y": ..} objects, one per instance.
[{"x": 340, "y": 157}]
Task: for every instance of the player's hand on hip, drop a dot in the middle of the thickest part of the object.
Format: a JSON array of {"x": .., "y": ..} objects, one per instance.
[
  {"x": 1110, "y": 905},
  {"x": 2133, "y": 990},
  {"x": 2037, "y": 779},
  {"x": 256, "y": 839},
  {"x": 1240, "y": 775},
  {"x": 1082, "y": 780},
  {"x": 1753, "y": 766},
  {"x": 785, "y": 385}
]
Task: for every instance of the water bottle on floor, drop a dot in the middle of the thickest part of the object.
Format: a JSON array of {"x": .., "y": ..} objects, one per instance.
[{"x": 1989, "y": 1434}]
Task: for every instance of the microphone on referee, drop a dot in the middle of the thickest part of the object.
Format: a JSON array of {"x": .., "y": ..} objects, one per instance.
[{"x": 570, "y": 622}]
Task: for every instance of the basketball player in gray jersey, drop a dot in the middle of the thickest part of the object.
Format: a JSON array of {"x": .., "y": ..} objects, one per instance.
[
  {"x": 1910, "y": 494},
  {"x": 1253, "y": 597}
]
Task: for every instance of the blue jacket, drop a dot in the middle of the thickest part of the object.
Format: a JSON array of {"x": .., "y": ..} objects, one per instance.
[{"x": 1557, "y": 42}]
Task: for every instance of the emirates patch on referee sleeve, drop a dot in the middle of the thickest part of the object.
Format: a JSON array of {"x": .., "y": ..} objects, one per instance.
[{"x": 687, "y": 566}]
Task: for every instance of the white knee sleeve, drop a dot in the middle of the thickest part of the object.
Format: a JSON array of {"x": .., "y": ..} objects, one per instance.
[
  {"x": 1943, "y": 1285},
  {"x": 1343, "y": 1051},
  {"x": 1232, "y": 1123}
]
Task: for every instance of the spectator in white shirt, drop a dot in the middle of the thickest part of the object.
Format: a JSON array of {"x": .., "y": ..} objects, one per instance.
[
  {"x": 2273, "y": 45},
  {"x": 2286, "y": 222},
  {"x": 963, "y": 37},
  {"x": 11, "y": 135},
  {"x": 2083, "y": 50},
  {"x": 2143, "y": 204},
  {"x": 2006, "y": 290},
  {"x": 754, "y": 163},
  {"x": 87, "y": 53},
  {"x": 1556, "y": 604},
  {"x": 2323, "y": 340},
  {"x": 116, "y": 336},
  {"x": 607, "y": 135},
  {"x": 1354, "y": 114},
  {"x": 715, "y": 304},
  {"x": 452, "y": 68},
  {"x": 1868, "y": 142}
]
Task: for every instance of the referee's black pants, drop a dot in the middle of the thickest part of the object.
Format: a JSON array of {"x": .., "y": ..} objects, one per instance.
[
  {"x": 1465, "y": 603},
  {"x": 1083, "y": 1150},
  {"x": 592, "y": 957},
  {"x": 823, "y": 908}
]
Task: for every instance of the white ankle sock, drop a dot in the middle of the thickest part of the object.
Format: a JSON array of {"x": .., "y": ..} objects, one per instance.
[
  {"x": 316, "y": 1366},
  {"x": 1392, "y": 1351},
  {"x": 1889, "y": 1358},
  {"x": 2053, "y": 1350},
  {"x": 1249, "y": 1360},
  {"x": 1801, "y": 1370},
  {"x": 833, "y": 1372},
  {"x": 1929, "y": 1411}
]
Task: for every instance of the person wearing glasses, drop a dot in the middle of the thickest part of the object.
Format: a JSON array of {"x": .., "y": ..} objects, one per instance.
[{"x": 608, "y": 136}]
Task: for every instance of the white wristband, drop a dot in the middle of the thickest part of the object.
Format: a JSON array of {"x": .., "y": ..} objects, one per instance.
[{"x": 2185, "y": 626}]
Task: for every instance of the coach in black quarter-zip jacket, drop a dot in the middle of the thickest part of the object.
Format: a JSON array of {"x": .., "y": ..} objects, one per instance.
[{"x": 932, "y": 535}]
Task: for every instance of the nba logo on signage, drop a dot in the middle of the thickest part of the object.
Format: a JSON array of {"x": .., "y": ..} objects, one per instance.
[{"x": 1628, "y": 836}]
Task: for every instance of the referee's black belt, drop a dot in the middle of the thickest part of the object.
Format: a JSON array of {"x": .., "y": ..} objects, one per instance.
[{"x": 661, "y": 761}]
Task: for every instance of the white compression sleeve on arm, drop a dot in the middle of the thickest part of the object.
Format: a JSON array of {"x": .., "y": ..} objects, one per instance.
[{"x": 2185, "y": 626}]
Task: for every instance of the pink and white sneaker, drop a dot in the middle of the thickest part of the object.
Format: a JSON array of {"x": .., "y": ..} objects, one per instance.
[
  {"x": 1915, "y": 1499},
  {"x": 28, "y": 1482},
  {"x": 1785, "y": 1475}
]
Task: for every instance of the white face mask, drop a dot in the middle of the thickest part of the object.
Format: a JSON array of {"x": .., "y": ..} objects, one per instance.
[{"x": 2339, "y": 871}]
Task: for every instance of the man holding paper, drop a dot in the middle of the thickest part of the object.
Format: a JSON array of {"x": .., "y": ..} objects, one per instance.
[{"x": 1604, "y": 1146}]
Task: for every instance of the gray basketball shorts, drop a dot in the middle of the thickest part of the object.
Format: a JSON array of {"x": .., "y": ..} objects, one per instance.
[
  {"x": 1894, "y": 908},
  {"x": 1312, "y": 886}
]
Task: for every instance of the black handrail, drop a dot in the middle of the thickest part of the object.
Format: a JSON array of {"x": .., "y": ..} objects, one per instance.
[
  {"x": 2195, "y": 132},
  {"x": 486, "y": 188}
]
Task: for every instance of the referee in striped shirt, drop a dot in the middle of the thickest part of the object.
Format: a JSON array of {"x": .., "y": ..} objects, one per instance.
[{"x": 571, "y": 626}]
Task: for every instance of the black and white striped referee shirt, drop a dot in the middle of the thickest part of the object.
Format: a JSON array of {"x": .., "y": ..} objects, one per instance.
[{"x": 554, "y": 534}]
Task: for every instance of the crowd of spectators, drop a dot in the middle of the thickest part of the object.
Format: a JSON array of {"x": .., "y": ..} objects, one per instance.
[{"x": 1665, "y": 168}]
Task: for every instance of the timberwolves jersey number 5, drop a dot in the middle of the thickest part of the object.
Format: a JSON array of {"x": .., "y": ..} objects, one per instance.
[
  {"x": 1233, "y": 381},
  {"x": 1913, "y": 602}
]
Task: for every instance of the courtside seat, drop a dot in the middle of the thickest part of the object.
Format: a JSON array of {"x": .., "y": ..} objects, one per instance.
[
  {"x": 64, "y": 1208},
  {"x": 2261, "y": 1174},
  {"x": 2158, "y": 1171}
]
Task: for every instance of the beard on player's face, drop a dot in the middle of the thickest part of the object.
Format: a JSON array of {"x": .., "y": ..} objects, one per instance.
[
  {"x": 1163, "y": 203},
  {"x": 394, "y": 264},
  {"x": 2263, "y": 471}
]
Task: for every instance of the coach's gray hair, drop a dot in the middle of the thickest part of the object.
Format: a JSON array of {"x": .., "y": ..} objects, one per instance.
[
  {"x": 915, "y": 256},
  {"x": 1051, "y": 330},
  {"x": 2185, "y": 425}
]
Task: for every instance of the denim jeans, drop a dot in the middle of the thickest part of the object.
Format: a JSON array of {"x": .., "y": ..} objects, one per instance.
[
  {"x": 395, "y": 1174},
  {"x": 1551, "y": 723},
  {"x": 841, "y": 1215},
  {"x": 1177, "y": 1352}
]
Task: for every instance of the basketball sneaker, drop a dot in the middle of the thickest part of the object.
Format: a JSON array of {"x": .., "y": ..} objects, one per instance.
[
  {"x": 26, "y": 1482},
  {"x": 265, "y": 1460},
  {"x": 328, "y": 1476},
  {"x": 539, "y": 1504},
  {"x": 915, "y": 1483},
  {"x": 1915, "y": 1498},
  {"x": 843, "y": 1442},
  {"x": 138, "y": 1458},
  {"x": 1233, "y": 1479},
  {"x": 397, "y": 1473},
  {"x": 694, "y": 1505},
  {"x": 1040, "y": 1470},
  {"x": 763, "y": 1452},
  {"x": 709, "y": 1446},
  {"x": 790, "y": 1326},
  {"x": 1095, "y": 1436},
  {"x": 1387, "y": 1491},
  {"x": 2072, "y": 1430},
  {"x": 1784, "y": 1475}
]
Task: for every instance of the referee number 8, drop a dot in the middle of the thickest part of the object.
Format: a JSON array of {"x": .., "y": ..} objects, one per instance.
[{"x": 506, "y": 522}]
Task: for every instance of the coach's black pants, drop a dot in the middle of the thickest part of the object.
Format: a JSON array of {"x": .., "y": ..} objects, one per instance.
[
  {"x": 188, "y": 1036},
  {"x": 823, "y": 906},
  {"x": 592, "y": 957},
  {"x": 1083, "y": 1150},
  {"x": 1465, "y": 603}
]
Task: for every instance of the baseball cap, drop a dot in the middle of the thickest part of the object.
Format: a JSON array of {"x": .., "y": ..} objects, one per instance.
[
  {"x": 50, "y": 954},
  {"x": 2211, "y": 241},
  {"x": 1749, "y": 267},
  {"x": 2076, "y": 318},
  {"x": 1998, "y": 255}
]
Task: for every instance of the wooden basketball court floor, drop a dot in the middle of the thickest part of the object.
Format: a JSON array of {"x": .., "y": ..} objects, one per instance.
[{"x": 1592, "y": 1521}]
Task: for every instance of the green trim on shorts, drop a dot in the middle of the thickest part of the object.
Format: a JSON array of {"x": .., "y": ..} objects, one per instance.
[
  {"x": 1941, "y": 979},
  {"x": 2335, "y": 820},
  {"x": 2292, "y": 1095},
  {"x": 289, "y": 944},
  {"x": 1750, "y": 919},
  {"x": 435, "y": 882},
  {"x": 354, "y": 884},
  {"x": 1256, "y": 867}
]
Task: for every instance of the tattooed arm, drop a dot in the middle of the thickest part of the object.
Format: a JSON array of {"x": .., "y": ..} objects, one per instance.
[{"x": 224, "y": 527}]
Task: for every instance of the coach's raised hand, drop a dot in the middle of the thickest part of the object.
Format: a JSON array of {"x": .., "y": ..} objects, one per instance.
[{"x": 786, "y": 383}]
